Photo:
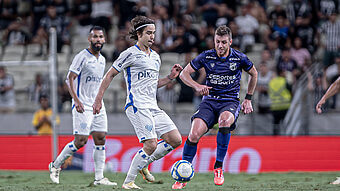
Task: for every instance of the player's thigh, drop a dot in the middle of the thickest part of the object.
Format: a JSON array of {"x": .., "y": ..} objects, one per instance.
[
  {"x": 207, "y": 113},
  {"x": 198, "y": 129},
  {"x": 142, "y": 122},
  {"x": 229, "y": 112},
  {"x": 163, "y": 123},
  {"x": 82, "y": 122}
]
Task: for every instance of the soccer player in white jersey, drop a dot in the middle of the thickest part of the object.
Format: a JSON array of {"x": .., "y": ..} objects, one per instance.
[
  {"x": 141, "y": 71},
  {"x": 83, "y": 79}
]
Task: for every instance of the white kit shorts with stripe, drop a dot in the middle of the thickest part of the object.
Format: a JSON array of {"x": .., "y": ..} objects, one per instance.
[
  {"x": 150, "y": 123},
  {"x": 86, "y": 122}
]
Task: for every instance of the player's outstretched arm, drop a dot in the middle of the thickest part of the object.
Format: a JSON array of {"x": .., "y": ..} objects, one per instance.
[
  {"x": 187, "y": 79},
  {"x": 332, "y": 90},
  {"x": 175, "y": 70},
  {"x": 246, "y": 105},
  {"x": 97, "y": 105},
  {"x": 71, "y": 89}
]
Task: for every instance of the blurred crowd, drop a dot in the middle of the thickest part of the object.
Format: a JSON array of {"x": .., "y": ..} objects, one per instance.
[{"x": 292, "y": 34}]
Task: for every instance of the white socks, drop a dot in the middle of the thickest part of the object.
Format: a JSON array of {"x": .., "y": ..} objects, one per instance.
[
  {"x": 139, "y": 161},
  {"x": 68, "y": 151},
  {"x": 99, "y": 161},
  {"x": 142, "y": 160},
  {"x": 162, "y": 149}
]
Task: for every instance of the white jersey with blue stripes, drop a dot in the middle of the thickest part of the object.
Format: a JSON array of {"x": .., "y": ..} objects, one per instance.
[
  {"x": 141, "y": 72},
  {"x": 90, "y": 71}
]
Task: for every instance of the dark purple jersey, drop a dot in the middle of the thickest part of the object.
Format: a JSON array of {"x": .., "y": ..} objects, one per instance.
[{"x": 223, "y": 73}]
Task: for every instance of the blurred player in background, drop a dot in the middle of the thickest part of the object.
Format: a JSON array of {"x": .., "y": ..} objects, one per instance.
[
  {"x": 332, "y": 90},
  {"x": 221, "y": 102},
  {"x": 141, "y": 71},
  {"x": 83, "y": 80}
]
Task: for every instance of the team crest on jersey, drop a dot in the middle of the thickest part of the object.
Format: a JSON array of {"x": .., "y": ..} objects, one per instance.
[
  {"x": 232, "y": 66},
  {"x": 212, "y": 64},
  {"x": 148, "y": 127}
]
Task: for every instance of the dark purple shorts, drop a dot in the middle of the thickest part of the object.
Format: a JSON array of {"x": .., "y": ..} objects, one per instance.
[{"x": 210, "y": 110}]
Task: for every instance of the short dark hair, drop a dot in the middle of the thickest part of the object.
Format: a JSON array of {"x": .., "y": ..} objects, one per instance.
[
  {"x": 223, "y": 30},
  {"x": 43, "y": 96},
  {"x": 96, "y": 28},
  {"x": 136, "y": 23}
]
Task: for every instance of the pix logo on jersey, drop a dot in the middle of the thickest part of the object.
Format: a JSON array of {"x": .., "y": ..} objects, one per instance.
[
  {"x": 93, "y": 79},
  {"x": 145, "y": 74}
]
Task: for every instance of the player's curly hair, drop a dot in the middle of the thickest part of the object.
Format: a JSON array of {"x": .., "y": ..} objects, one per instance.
[
  {"x": 136, "y": 23},
  {"x": 223, "y": 30}
]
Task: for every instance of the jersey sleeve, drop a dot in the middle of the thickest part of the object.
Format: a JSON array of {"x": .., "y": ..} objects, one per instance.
[
  {"x": 77, "y": 64},
  {"x": 197, "y": 63},
  {"x": 246, "y": 64},
  {"x": 124, "y": 60}
]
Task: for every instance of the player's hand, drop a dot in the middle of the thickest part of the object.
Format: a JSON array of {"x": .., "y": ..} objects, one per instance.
[
  {"x": 319, "y": 105},
  {"x": 246, "y": 106},
  {"x": 203, "y": 89},
  {"x": 97, "y": 105},
  {"x": 175, "y": 70},
  {"x": 79, "y": 107}
]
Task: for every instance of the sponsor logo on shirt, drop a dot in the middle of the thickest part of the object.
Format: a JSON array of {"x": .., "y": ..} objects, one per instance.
[
  {"x": 146, "y": 74},
  {"x": 93, "y": 79},
  {"x": 221, "y": 79},
  {"x": 210, "y": 57},
  {"x": 234, "y": 59}
]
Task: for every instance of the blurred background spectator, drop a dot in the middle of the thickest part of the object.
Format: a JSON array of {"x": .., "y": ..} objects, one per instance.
[
  {"x": 38, "y": 88},
  {"x": 280, "y": 98},
  {"x": 52, "y": 19},
  {"x": 263, "y": 79},
  {"x": 8, "y": 13},
  {"x": 42, "y": 117},
  {"x": 7, "y": 94}
]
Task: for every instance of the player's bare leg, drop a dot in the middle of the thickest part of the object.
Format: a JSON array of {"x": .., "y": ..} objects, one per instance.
[
  {"x": 139, "y": 161},
  {"x": 69, "y": 149},
  {"x": 198, "y": 129},
  {"x": 171, "y": 140}
]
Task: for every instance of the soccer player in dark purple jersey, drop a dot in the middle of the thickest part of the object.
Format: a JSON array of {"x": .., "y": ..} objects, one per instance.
[{"x": 221, "y": 101}]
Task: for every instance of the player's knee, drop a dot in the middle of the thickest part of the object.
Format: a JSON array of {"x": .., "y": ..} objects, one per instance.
[
  {"x": 100, "y": 140},
  {"x": 176, "y": 143},
  {"x": 225, "y": 123},
  {"x": 150, "y": 146},
  {"x": 194, "y": 137},
  {"x": 80, "y": 142}
]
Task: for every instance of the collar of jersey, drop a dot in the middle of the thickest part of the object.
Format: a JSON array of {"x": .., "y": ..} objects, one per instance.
[
  {"x": 140, "y": 49},
  {"x": 91, "y": 53}
]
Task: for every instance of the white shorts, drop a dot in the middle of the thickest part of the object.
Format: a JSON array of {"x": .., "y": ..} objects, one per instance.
[
  {"x": 84, "y": 123},
  {"x": 150, "y": 123}
]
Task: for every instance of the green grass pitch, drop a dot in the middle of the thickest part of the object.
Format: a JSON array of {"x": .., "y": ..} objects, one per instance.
[{"x": 77, "y": 180}]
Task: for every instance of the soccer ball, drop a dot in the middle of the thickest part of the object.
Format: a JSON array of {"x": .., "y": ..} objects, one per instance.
[{"x": 182, "y": 171}]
